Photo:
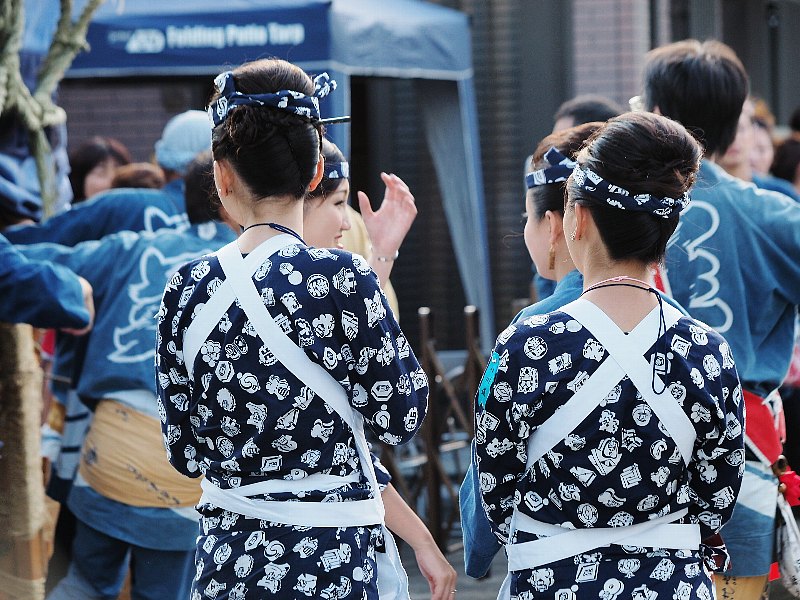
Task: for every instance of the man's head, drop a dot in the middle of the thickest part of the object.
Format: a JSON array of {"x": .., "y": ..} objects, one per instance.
[
  {"x": 184, "y": 136},
  {"x": 202, "y": 203},
  {"x": 703, "y": 85},
  {"x": 586, "y": 108}
]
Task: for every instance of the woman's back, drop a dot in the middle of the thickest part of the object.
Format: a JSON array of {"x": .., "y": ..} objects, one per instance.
[
  {"x": 250, "y": 427},
  {"x": 620, "y": 465}
]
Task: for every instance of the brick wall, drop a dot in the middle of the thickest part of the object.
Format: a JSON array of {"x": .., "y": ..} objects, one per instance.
[{"x": 610, "y": 38}]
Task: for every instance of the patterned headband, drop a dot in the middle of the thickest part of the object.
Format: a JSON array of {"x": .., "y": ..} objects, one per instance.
[
  {"x": 290, "y": 101},
  {"x": 337, "y": 170},
  {"x": 618, "y": 197},
  {"x": 559, "y": 169}
]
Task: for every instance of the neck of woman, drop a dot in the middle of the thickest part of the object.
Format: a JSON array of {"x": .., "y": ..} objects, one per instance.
[
  {"x": 622, "y": 290},
  {"x": 563, "y": 265},
  {"x": 254, "y": 216},
  {"x": 598, "y": 271}
]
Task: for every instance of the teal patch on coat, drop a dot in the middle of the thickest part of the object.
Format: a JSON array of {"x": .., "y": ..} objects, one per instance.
[{"x": 488, "y": 379}]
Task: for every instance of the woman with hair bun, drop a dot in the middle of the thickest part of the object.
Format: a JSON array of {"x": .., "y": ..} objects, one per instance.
[
  {"x": 609, "y": 432},
  {"x": 272, "y": 356}
]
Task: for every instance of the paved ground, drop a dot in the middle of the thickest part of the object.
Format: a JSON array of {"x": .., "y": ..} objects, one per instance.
[{"x": 468, "y": 588}]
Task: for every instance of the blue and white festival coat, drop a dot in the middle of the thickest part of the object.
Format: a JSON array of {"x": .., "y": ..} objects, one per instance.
[
  {"x": 629, "y": 457},
  {"x": 128, "y": 272},
  {"x": 238, "y": 416}
]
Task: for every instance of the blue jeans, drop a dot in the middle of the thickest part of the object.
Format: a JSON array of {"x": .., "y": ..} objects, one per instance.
[{"x": 100, "y": 564}]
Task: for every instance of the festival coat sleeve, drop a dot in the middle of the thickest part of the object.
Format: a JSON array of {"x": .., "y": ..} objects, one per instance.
[{"x": 39, "y": 293}]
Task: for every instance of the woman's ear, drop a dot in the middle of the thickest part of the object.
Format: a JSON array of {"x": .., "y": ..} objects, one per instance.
[
  {"x": 223, "y": 177},
  {"x": 582, "y": 218},
  {"x": 555, "y": 221},
  {"x": 318, "y": 175}
]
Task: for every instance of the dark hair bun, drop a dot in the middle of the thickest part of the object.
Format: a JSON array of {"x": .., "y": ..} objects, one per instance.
[
  {"x": 643, "y": 153},
  {"x": 274, "y": 152}
]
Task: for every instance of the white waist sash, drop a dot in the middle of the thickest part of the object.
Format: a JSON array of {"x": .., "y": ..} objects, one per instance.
[
  {"x": 562, "y": 542},
  {"x": 625, "y": 359}
]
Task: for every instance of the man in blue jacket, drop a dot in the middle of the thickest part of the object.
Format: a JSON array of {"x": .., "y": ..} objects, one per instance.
[
  {"x": 129, "y": 209},
  {"x": 733, "y": 264},
  {"x": 125, "y": 515}
]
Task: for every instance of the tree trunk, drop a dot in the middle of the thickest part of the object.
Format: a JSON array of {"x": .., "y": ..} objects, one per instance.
[{"x": 23, "y": 559}]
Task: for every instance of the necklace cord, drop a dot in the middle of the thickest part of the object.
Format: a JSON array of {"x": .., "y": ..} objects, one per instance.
[
  {"x": 662, "y": 322},
  {"x": 277, "y": 227}
]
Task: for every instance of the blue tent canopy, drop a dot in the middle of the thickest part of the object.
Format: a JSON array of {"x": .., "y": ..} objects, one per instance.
[{"x": 391, "y": 38}]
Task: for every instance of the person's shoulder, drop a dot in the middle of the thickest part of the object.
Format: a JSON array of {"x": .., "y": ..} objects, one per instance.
[
  {"x": 776, "y": 184},
  {"x": 543, "y": 326},
  {"x": 692, "y": 333},
  {"x": 721, "y": 197},
  {"x": 121, "y": 198},
  {"x": 327, "y": 261}
]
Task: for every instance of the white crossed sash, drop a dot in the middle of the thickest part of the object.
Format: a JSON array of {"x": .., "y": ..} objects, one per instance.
[
  {"x": 625, "y": 358},
  {"x": 239, "y": 286}
]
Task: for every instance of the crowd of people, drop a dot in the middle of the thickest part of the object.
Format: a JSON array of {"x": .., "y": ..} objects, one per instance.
[{"x": 223, "y": 350}]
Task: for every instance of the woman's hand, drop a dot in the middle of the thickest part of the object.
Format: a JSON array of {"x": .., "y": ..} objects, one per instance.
[
  {"x": 388, "y": 226},
  {"x": 88, "y": 302},
  {"x": 440, "y": 574},
  {"x": 403, "y": 521}
]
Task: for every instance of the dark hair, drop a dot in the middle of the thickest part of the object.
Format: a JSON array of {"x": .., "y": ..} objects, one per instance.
[
  {"x": 701, "y": 85},
  {"x": 274, "y": 152},
  {"x": 786, "y": 159},
  {"x": 202, "y": 203},
  {"x": 332, "y": 154},
  {"x": 587, "y": 108},
  {"x": 643, "y": 153},
  {"x": 138, "y": 175},
  {"x": 88, "y": 155},
  {"x": 794, "y": 120},
  {"x": 568, "y": 142}
]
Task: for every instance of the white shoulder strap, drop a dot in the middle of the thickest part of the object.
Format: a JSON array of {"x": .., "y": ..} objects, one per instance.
[
  {"x": 293, "y": 357},
  {"x": 638, "y": 370},
  {"x": 591, "y": 393},
  {"x": 210, "y": 314}
]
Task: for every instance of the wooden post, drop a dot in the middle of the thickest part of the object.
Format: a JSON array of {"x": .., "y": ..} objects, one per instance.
[
  {"x": 23, "y": 557},
  {"x": 430, "y": 428},
  {"x": 473, "y": 369}
]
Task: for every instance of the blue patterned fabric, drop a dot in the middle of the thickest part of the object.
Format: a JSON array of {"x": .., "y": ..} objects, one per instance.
[
  {"x": 733, "y": 263},
  {"x": 111, "y": 212},
  {"x": 39, "y": 293},
  {"x": 128, "y": 272},
  {"x": 543, "y": 361},
  {"x": 480, "y": 545},
  {"x": 290, "y": 101},
  {"x": 735, "y": 239},
  {"x": 337, "y": 170},
  {"x": 116, "y": 210},
  {"x": 775, "y": 184},
  {"x": 245, "y": 418},
  {"x": 559, "y": 169}
]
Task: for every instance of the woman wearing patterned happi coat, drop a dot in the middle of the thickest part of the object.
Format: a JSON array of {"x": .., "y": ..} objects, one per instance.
[
  {"x": 609, "y": 432},
  {"x": 272, "y": 356},
  {"x": 326, "y": 218}
]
